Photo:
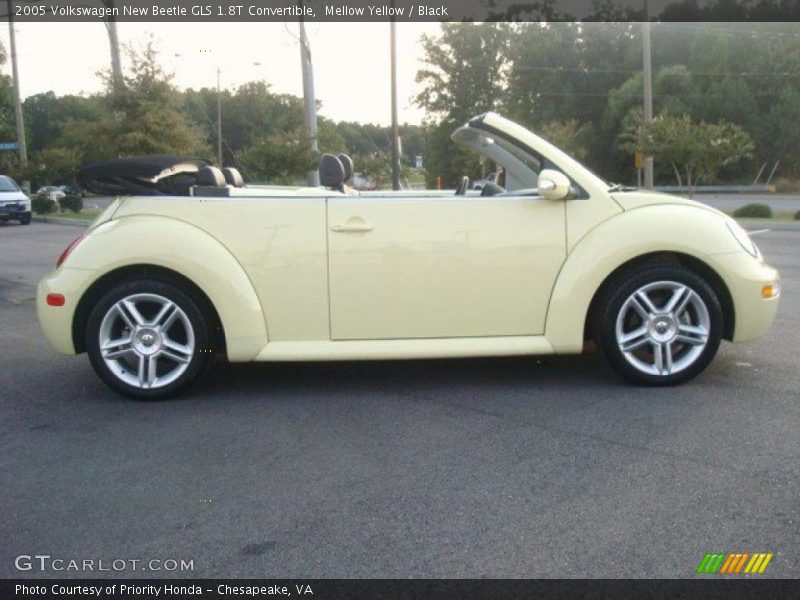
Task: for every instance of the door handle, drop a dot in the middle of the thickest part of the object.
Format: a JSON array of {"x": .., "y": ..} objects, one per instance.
[{"x": 352, "y": 226}]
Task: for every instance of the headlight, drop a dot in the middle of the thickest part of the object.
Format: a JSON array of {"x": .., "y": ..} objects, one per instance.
[{"x": 743, "y": 239}]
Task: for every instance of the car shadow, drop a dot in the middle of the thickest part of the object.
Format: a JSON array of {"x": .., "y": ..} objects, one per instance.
[{"x": 407, "y": 376}]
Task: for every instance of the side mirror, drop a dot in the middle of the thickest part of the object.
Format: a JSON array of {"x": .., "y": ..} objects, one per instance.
[{"x": 554, "y": 185}]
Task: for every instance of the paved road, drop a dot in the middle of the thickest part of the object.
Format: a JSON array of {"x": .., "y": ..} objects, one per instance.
[{"x": 465, "y": 468}]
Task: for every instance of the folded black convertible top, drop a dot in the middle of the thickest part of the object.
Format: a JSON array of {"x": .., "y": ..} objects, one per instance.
[{"x": 155, "y": 175}]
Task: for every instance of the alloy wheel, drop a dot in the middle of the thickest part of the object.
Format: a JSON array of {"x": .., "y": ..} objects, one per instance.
[
  {"x": 663, "y": 328},
  {"x": 146, "y": 340}
]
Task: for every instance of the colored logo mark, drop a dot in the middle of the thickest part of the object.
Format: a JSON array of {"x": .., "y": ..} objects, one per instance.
[{"x": 724, "y": 563}]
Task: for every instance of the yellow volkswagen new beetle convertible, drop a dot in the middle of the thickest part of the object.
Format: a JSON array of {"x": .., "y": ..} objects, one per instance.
[{"x": 197, "y": 262}]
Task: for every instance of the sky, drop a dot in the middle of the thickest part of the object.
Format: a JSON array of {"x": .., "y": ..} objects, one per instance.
[{"x": 351, "y": 60}]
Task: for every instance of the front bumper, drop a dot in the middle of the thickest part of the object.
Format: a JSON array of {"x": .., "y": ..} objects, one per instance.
[
  {"x": 14, "y": 211},
  {"x": 56, "y": 321},
  {"x": 746, "y": 277}
]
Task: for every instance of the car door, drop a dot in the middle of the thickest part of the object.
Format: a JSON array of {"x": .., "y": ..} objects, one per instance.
[{"x": 441, "y": 267}]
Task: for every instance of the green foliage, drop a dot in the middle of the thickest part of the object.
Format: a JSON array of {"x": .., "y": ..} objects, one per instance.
[
  {"x": 376, "y": 167},
  {"x": 754, "y": 211},
  {"x": 55, "y": 165},
  {"x": 695, "y": 150},
  {"x": 462, "y": 77},
  {"x": 281, "y": 158},
  {"x": 143, "y": 116},
  {"x": 739, "y": 73},
  {"x": 570, "y": 136},
  {"x": 786, "y": 186},
  {"x": 72, "y": 203},
  {"x": 43, "y": 205}
]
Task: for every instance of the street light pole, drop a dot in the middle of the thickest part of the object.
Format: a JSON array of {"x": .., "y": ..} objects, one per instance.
[
  {"x": 648, "y": 91},
  {"x": 309, "y": 99},
  {"x": 219, "y": 121},
  {"x": 23, "y": 148},
  {"x": 395, "y": 131}
]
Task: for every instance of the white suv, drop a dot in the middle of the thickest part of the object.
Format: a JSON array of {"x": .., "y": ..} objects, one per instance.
[{"x": 14, "y": 204}]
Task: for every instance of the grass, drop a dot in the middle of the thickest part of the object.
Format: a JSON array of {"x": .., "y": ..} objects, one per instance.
[
  {"x": 85, "y": 215},
  {"x": 776, "y": 216}
]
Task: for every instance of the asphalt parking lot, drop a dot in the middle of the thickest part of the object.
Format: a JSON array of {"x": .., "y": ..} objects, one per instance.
[{"x": 456, "y": 468}]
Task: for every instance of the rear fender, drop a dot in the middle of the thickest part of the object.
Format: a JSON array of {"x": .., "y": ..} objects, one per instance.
[{"x": 185, "y": 249}]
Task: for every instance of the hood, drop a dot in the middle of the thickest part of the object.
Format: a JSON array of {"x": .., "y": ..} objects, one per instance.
[
  {"x": 639, "y": 198},
  {"x": 12, "y": 196}
]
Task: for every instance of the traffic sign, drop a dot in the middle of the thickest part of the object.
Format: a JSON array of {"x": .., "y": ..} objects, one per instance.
[{"x": 9, "y": 146}]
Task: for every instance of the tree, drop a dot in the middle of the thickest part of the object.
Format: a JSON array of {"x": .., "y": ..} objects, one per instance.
[
  {"x": 142, "y": 117},
  {"x": 463, "y": 76},
  {"x": 695, "y": 150},
  {"x": 54, "y": 166},
  {"x": 280, "y": 158},
  {"x": 570, "y": 136}
]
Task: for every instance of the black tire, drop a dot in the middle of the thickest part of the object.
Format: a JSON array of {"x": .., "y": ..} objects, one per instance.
[
  {"x": 617, "y": 292},
  {"x": 26, "y": 219},
  {"x": 192, "y": 309}
]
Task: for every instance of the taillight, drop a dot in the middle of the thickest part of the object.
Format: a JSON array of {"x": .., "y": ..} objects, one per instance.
[{"x": 68, "y": 250}]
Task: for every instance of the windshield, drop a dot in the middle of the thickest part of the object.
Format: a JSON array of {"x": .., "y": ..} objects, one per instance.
[{"x": 7, "y": 184}]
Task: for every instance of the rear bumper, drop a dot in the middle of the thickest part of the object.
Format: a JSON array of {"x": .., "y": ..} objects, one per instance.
[
  {"x": 746, "y": 277},
  {"x": 56, "y": 321}
]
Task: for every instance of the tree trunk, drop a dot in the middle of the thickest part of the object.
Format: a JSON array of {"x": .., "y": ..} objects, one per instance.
[{"x": 677, "y": 175}]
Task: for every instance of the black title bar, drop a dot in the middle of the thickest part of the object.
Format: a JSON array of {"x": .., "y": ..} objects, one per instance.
[
  {"x": 405, "y": 589},
  {"x": 399, "y": 10}
]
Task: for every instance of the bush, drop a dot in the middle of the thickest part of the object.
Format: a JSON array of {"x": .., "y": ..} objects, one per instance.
[
  {"x": 797, "y": 216},
  {"x": 42, "y": 205},
  {"x": 786, "y": 186},
  {"x": 71, "y": 203},
  {"x": 756, "y": 211}
]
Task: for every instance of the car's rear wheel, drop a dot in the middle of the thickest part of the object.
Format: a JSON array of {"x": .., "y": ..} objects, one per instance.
[
  {"x": 148, "y": 339},
  {"x": 659, "y": 324}
]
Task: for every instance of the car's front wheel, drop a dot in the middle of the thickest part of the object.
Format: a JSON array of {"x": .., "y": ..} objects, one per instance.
[
  {"x": 148, "y": 339},
  {"x": 659, "y": 324}
]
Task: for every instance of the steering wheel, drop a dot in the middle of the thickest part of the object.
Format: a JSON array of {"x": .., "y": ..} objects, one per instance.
[{"x": 461, "y": 190}]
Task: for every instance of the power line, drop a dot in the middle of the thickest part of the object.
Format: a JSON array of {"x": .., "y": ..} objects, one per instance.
[
  {"x": 592, "y": 70},
  {"x": 693, "y": 28},
  {"x": 604, "y": 94}
]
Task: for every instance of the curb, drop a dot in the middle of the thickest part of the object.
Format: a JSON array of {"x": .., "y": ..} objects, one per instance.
[{"x": 61, "y": 221}]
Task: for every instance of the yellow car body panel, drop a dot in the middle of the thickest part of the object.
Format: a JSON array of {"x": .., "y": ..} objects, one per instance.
[
  {"x": 162, "y": 242},
  {"x": 652, "y": 228},
  {"x": 316, "y": 274}
]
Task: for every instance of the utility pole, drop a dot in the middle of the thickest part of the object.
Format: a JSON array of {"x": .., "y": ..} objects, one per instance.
[
  {"x": 116, "y": 61},
  {"x": 648, "y": 91},
  {"x": 309, "y": 100},
  {"x": 113, "y": 42},
  {"x": 23, "y": 148},
  {"x": 219, "y": 121},
  {"x": 395, "y": 132}
]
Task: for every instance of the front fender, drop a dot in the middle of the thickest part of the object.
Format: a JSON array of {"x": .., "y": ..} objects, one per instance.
[
  {"x": 182, "y": 247},
  {"x": 658, "y": 228}
]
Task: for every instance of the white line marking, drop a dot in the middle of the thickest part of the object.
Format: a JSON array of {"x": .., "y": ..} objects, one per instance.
[{"x": 758, "y": 231}]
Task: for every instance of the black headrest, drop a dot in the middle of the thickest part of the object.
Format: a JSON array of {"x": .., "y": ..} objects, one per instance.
[
  {"x": 210, "y": 176},
  {"x": 347, "y": 163},
  {"x": 233, "y": 177},
  {"x": 331, "y": 171}
]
